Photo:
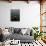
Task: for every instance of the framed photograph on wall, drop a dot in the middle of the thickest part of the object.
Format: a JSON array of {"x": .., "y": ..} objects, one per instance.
[{"x": 15, "y": 14}]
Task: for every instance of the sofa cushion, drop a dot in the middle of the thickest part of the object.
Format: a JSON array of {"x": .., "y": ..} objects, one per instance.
[
  {"x": 11, "y": 30},
  {"x": 23, "y": 30},
  {"x": 17, "y": 30},
  {"x": 28, "y": 31},
  {"x": 22, "y": 38}
]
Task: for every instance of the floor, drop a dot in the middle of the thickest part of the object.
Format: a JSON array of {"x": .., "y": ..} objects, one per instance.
[{"x": 35, "y": 43}]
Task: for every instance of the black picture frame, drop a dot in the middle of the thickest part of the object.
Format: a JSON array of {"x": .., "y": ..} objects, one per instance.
[{"x": 15, "y": 15}]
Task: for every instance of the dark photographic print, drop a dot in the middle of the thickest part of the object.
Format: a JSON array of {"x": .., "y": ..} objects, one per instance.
[{"x": 15, "y": 15}]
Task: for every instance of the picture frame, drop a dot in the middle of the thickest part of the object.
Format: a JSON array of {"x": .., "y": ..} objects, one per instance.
[{"x": 15, "y": 15}]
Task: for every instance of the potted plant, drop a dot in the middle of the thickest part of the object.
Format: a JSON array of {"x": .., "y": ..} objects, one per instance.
[{"x": 37, "y": 33}]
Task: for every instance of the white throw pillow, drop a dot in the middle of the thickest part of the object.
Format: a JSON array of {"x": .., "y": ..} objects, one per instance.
[
  {"x": 23, "y": 31},
  {"x": 5, "y": 32}
]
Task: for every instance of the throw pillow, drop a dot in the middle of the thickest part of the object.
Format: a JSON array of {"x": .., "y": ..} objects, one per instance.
[
  {"x": 23, "y": 31},
  {"x": 28, "y": 31},
  {"x": 17, "y": 30}
]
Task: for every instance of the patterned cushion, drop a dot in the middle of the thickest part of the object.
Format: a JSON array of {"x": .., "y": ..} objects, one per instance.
[{"x": 17, "y": 30}]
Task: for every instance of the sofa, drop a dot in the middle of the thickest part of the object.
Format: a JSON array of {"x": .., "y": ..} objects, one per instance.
[{"x": 22, "y": 34}]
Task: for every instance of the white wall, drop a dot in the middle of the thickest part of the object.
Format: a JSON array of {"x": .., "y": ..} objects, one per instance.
[{"x": 29, "y": 14}]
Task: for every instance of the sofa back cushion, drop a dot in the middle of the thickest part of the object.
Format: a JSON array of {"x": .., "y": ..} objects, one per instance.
[
  {"x": 17, "y": 30},
  {"x": 28, "y": 31},
  {"x": 11, "y": 30}
]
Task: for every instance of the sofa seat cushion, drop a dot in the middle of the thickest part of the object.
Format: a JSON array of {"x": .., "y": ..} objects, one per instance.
[{"x": 21, "y": 37}]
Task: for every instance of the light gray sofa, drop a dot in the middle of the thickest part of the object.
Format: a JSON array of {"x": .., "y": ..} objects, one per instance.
[{"x": 17, "y": 35}]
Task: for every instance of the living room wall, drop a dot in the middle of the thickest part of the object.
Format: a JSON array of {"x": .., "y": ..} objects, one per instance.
[{"x": 29, "y": 14}]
